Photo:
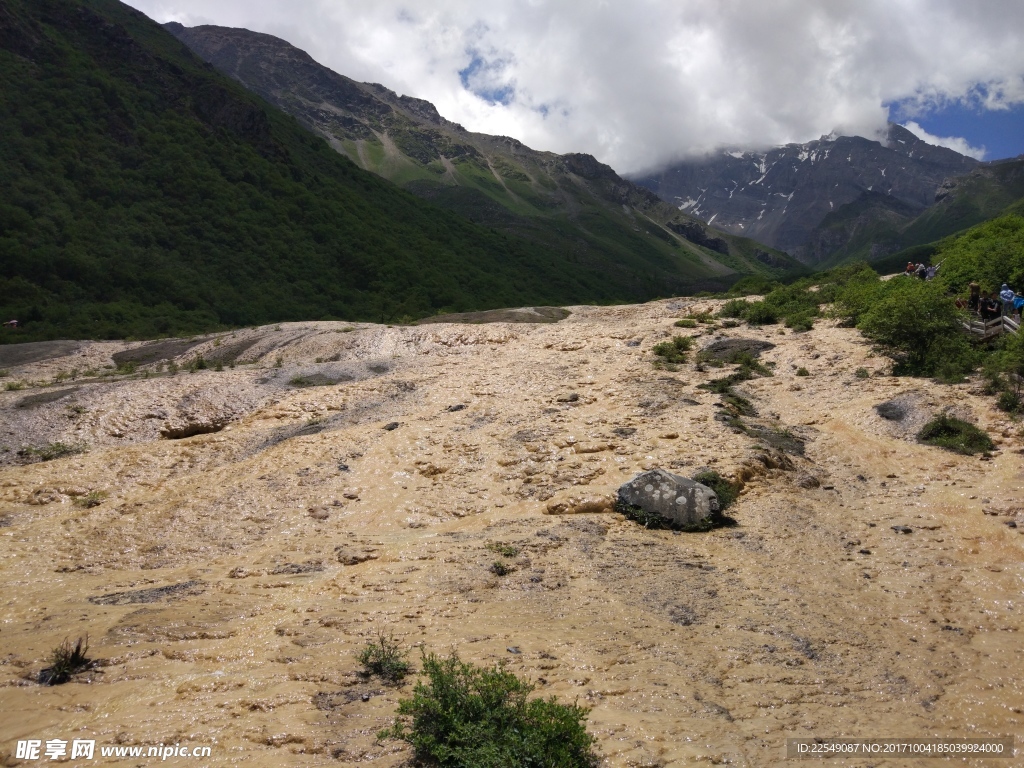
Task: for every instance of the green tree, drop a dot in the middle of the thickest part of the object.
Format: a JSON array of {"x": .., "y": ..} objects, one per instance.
[{"x": 920, "y": 326}]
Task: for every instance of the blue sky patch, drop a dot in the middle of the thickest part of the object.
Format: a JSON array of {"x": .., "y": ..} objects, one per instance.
[
  {"x": 485, "y": 79},
  {"x": 1001, "y": 132}
]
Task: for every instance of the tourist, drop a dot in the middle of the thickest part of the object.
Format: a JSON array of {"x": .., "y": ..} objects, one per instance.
[
  {"x": 1006, "y": 294},
  {"x": 974, "y": 298},
  {"x": 990, "y": 306}
]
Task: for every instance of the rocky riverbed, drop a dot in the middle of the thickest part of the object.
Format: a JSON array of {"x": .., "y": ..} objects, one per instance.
[{"x": 230, "y": 519}]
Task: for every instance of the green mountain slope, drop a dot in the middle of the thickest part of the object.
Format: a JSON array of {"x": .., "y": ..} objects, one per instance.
[
  {"x": 875, "y": 229},
  {"x": 571, "y": 203},
  {"x": 147, "y": 194}
]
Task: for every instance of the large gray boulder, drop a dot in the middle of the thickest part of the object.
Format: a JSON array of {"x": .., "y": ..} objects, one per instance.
[{"x": 662, "y": 499}]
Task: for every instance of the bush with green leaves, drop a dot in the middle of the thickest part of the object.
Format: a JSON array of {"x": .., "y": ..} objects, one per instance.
[
  {"x": 673, "y": 352},
  {"x": 761, "y": 313},
  {"x": 385, "y": 658},
  {"x": 945, "y": 431},
  {"x": 916, "y": 323},
  {"x": 465, "y": 716},
  {"x": 726, "y": 490},
  {"x": 734, "y": 308}
]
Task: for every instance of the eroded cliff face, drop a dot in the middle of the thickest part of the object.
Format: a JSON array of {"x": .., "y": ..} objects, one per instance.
[{"x": 227, "y": 580}]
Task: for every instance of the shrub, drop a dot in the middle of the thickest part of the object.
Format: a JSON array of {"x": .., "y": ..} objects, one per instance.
[
  {"x": 686, "y": 322},
  {"x": 385, "y": 658},
  {"x": 734, "y": 308},
  {"x": 1008, "y": 401},
  {"x": 14, "y": 386},
  {"x": 862, "y": 373},
  {"x": 955, "y": 435},
  {"x": 919, "y": 326},
  {"x": 726, "y": 490},
  {"x": 803, "y": 321},
  {"x": 466, "y": 716},
  {"x": 498, "y": 568},
  {"x": 801, "y": 371},
  {"x": 674, "y": 351},
  {"x": 762, "y": 313},
  {"x": 66, "y": 661}
]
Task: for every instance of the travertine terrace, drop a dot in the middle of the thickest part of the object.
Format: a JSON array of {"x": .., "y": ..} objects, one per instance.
[{"x": 227, "y": 579}]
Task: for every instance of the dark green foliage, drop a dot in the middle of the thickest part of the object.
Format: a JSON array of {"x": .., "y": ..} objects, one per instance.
[
  {"x": 801, "y": 371},
  {"x": 673, "y": 352},
  {"x": 734, "y": 308},
  {"x": 802, "y": 321},
  {"x": 726, "y": 490},
  {"x": 753, "y": 285},
  {"x": 990, "y": 254},
  {"x": 52, "y": 451},
  {"x": 146, "y": 195},
  {"x": 1008, "y": 401},
  {"x": 761, "y": 313},
  {"x": 385, "y": 658},
  {"x": 656, "y": 522},
  {"x": 466, "y": 716},
  {"x": 499, "y": 568},
  {"x": 686, "y": 322},
  {"x": 920, "y": 326},
  {"x": 66, "y": 660},
  {"x": 862, "y": 373},
  {"x": 955, "y": 435}
]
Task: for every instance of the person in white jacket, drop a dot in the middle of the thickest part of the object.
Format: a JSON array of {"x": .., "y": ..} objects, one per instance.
[{"x": 1006, "y": 294}]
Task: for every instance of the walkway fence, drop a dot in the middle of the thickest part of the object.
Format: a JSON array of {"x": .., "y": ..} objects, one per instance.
[{"x": 985, "y": 330}]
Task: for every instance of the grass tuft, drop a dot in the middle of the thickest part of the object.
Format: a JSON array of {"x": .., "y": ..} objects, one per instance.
[
  {"x": 385, "y": 658},
  {"x": 66, "y": 660}
]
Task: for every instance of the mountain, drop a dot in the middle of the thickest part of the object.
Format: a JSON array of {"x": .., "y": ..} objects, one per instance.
[
  {"x": 570, "y": 203},
  {"x": 836, "y": 195},
  {"x": 145, "y": 193}
]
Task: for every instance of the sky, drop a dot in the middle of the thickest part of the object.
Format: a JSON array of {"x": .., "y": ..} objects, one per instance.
[{"x": 643, "y": 83}]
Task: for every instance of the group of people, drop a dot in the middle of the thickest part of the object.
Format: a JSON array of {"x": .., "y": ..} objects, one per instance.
[
  {"x": 1005, "y": 303},
  {"x": 921, "y": 271}
]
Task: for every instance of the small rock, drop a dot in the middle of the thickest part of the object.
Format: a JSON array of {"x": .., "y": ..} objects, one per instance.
[
  {"x": 513, "y": 649},
  {"x": 572, "y": 397},
  {"x": 391, "y": 425},
  {"x": 365, "y": 697},
  {"x": 633, "y": 343},
  {"x": 454, "y": 408},
  {"x": 581, "y": 505},
  {"x": 865, "y": 551},
  {"x": 902, "y": 529},
  {"x": 1011, "y": 523},
  {"x": 319, "y": 513},
  {"x": 808, "y": 481},
  {"x": 670, "y": 436},
  {"x": 342, "y": 467},
  {"x": 349, "y": 556}
]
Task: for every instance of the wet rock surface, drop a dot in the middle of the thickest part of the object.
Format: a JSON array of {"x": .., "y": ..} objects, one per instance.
[
  {"x": 679, "y": 500},
  {"x": 308, "y": 528}
]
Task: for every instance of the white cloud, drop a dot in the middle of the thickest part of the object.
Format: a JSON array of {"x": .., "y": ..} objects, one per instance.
[
  {"x": 641, "y": 83},
  {"x": 956, "y": 143}
]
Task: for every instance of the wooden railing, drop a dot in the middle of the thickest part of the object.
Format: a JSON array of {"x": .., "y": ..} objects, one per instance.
[{"x": 990, "y": 329}]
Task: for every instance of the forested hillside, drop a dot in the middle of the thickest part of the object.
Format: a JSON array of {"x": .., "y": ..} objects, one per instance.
[{"x": 146, "y": 194}]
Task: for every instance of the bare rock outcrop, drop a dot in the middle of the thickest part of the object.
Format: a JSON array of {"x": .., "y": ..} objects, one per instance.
[{"x": 683, "y": 502}]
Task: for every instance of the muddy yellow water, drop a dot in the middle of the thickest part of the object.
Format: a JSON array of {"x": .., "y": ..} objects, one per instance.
[{"x": 226, "y": 581}]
